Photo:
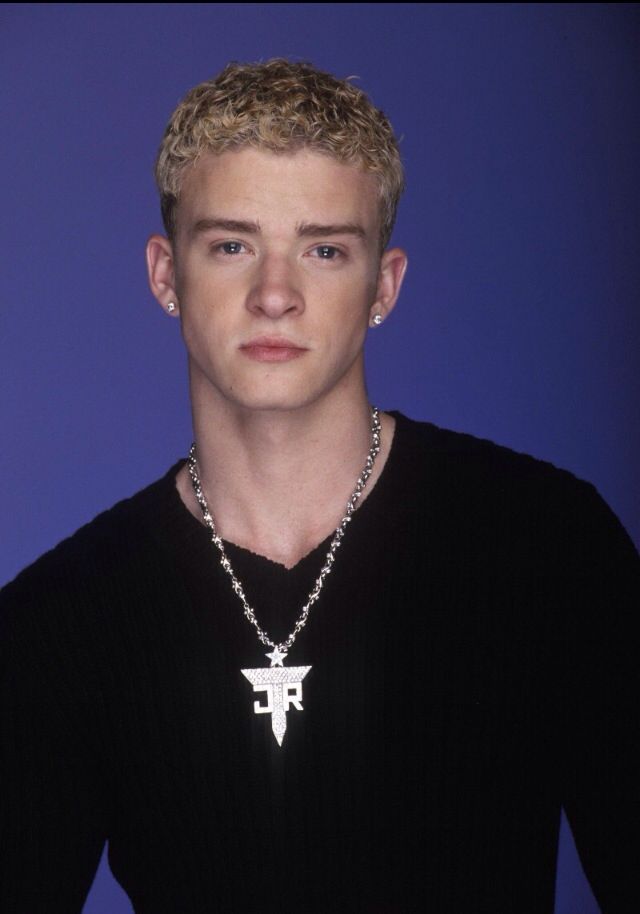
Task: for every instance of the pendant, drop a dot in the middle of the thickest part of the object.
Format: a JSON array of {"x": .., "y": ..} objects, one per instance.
[{"x": 283, "y": 687}]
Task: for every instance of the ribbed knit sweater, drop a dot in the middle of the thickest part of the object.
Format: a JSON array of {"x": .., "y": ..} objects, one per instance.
[{"x": 474, "y": 667}]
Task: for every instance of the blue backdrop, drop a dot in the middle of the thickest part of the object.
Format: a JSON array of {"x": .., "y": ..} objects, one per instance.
[{"x": 519, "y": 320}]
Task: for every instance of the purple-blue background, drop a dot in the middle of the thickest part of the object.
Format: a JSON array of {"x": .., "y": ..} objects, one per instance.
[{"x": 519, "y": 320}]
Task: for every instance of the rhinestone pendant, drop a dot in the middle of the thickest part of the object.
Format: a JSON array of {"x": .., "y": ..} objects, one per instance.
[{"x": 283, "y": 688}]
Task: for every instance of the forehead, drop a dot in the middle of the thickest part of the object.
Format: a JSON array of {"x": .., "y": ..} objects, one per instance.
[{"x": 256, "y": 184}]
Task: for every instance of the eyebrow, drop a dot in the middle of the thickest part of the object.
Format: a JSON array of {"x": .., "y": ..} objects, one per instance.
[
  {"x": 313, "y": 229},
  {"x": 227, "y": 225},
  {"x": 303, "y": 229}
]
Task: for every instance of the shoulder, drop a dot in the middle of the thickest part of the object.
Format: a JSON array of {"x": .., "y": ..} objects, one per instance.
[
  {"x": 479, "y": 479},
  {"x": 84, "y": 573},
  {"x": 477, "y": 461}
]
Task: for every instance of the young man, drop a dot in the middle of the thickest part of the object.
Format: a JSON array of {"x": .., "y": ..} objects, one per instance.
[{"x": 265, "y": 700}]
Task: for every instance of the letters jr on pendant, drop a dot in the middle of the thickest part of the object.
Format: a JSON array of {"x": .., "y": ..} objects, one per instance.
[{"x": 283, "y": 687}]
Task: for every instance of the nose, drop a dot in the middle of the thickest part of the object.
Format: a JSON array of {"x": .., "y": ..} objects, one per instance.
[{"x": 275, "y": 291}]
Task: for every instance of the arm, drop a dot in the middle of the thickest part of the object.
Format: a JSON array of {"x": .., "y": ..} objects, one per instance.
[
  {"x": 52, "y": 808},
  {"x": 600, "y": 714}
]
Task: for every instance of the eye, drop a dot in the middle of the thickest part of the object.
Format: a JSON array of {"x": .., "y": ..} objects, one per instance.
[
  {"x": 328, "y": 252},
  {"x": 229, "y": 248}
]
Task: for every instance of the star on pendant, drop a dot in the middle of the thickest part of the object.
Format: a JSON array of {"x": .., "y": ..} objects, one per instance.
[{"x": 276, "y": 656}]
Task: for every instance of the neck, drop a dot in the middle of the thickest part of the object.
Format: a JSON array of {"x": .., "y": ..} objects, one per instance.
[{"x": 277, "y": 481}]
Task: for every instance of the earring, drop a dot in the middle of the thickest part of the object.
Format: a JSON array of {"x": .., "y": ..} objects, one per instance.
[
  {"x": 377, "y": 319},
  {"x": 171, "y": 307}
]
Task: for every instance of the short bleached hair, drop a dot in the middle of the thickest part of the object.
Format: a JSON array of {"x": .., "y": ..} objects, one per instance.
[{"x": 281, "y": 106}]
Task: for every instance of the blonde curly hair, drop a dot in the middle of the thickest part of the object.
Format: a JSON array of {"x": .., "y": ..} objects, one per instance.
[{"x": 281, "y": 106}]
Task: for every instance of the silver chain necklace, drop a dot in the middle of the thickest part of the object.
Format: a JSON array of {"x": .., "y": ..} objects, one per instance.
[{"x": 283, "y": 685}]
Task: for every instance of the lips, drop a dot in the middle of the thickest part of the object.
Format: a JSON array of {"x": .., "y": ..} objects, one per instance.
[{"x": 272, "y": 349}]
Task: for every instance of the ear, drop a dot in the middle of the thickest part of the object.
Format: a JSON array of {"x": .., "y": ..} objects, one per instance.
[
  {"x": 393, "y": 265},
  {"x": 161, "y": 270}
]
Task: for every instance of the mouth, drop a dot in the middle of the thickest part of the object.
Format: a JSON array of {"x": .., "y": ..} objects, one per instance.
[{"x": 272, "y": 349}]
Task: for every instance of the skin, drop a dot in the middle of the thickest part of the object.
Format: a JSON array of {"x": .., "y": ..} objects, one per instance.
[{"x": 287, "y": 246}]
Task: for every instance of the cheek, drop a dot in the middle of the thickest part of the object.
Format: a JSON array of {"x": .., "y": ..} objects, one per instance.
[
  {"x": 350, "y": 297},
  {"x": 197, "y": 277},
  {"x": 345, "y": 328},
  {"x": 207, "y": 330},
  {"x": 198, "y": 285},
  {"x": 207, "y": 302},
  {"x": 207, "y": 316},
  {"x": 365, "y": 290}
]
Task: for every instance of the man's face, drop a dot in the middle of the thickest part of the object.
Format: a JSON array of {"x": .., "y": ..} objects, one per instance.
[{"x": 276, "y": 263}]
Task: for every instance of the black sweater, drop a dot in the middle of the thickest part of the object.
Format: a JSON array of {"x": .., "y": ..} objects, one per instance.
[{"x": 474, "y": 667}]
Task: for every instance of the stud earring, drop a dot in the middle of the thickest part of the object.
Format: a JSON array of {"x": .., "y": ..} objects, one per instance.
[
  {"x": 171, "y": 307},
  {"x": 377, "y": 319}
]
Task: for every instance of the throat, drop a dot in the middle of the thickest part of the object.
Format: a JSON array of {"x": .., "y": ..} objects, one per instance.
[
  {"x": 283, "y": 542},
  {"x": 277, "y": 519},
  {"x": 279, "y": 550}
]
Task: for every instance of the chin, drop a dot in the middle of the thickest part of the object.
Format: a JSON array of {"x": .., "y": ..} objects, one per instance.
[
  {"x": 265, "y": 402},
  {"x": 264, "y": 399}
]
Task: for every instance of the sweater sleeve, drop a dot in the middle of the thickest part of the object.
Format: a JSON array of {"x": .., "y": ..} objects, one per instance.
[
  {"x": 52, "y": 810},
  {"x": 600, "y": 711}
]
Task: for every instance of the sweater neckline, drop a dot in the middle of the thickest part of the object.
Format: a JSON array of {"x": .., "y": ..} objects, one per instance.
[{"x": 194, "y": 531}]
